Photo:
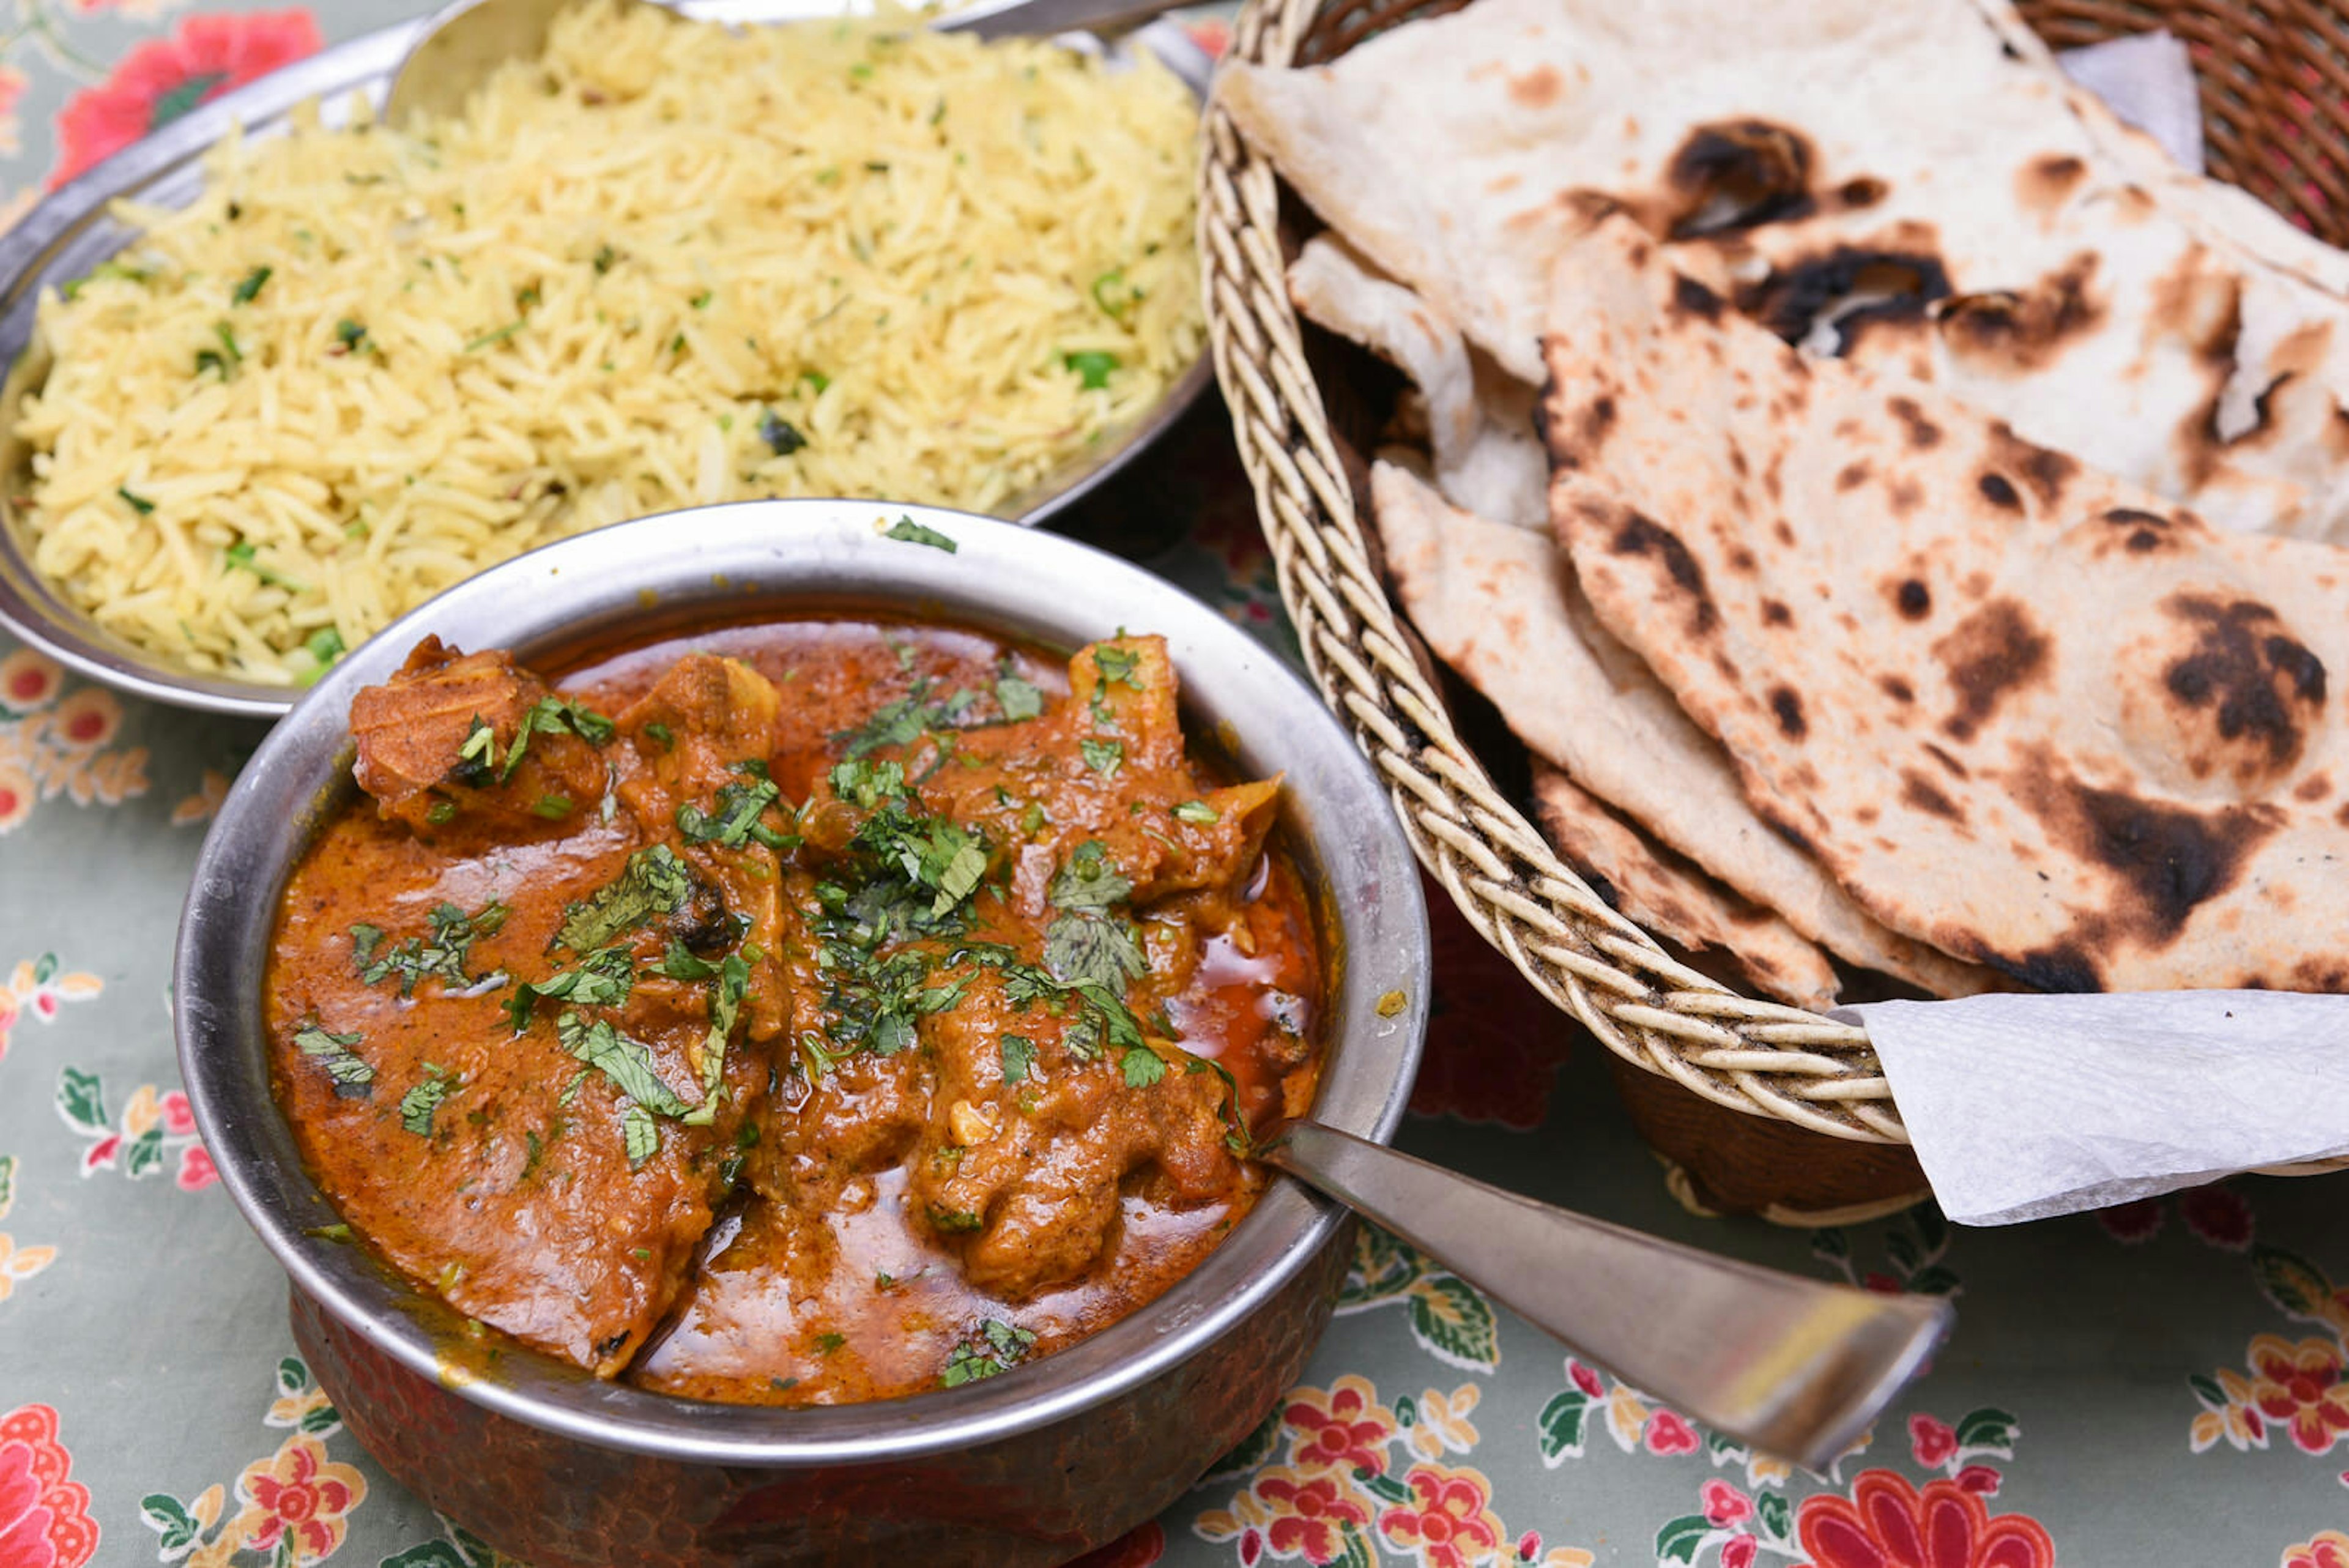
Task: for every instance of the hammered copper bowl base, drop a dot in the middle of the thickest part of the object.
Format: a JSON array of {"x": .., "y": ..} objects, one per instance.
[{"x": 1052, "y": 1495}]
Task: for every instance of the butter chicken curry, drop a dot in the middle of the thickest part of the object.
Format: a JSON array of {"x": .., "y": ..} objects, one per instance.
[{"x": 798, "y": 1013}]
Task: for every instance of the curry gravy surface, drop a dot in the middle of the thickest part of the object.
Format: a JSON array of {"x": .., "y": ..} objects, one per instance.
[{"x": 838, "y": 1203}]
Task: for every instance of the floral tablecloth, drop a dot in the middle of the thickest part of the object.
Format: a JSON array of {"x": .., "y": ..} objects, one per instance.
[{"x": 2163, "y": 1384}]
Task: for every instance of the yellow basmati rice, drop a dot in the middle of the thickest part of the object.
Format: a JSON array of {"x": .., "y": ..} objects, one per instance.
[{"x": 667, "y": 266}]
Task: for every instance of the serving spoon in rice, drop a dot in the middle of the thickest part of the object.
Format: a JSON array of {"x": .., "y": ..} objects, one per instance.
[{"x": 464, "y": 42}]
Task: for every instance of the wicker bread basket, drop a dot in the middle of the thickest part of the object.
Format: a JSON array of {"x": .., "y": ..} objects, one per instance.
[{"x": 1755, "y": 1107}]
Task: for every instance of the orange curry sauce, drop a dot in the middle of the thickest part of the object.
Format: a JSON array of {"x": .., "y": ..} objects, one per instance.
[{"x": 797, "y": 1014}]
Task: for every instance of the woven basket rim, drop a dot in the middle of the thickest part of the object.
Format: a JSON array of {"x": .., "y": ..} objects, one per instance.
[{"x": 1760, "y": 1057}]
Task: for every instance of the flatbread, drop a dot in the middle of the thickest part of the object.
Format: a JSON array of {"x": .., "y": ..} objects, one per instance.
[
  {"x": 2019, "y": 710},
  {"x": 1898, "y": 183},
  {"x": 1500, "y": 607},
  {"x": 1672, "y": 899},
  {"x": 1480, "y": 422}
]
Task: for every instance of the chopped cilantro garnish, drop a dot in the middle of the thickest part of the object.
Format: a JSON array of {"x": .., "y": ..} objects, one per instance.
[
  {"x": 953, "y": 1220},
  {"x": 908, "y": 531},
  {"x": 1198, "y": 813},
  {"x": 240, "y": 554},
  {"x": 679, "y": 963},
  {"x": 551, "y": 716},
  {"x": 1142, "y": 1067},
  {"x": 962, "y": 872},
  {"x": 249, "y": 288},
  {"x": 603, "y": 979},
  {"x": 643, "y": 1138},
  {"x": 351, "y": 333},
  {"x": 137, "y": 503},
  {"x": 333, "y": 1052},
  {"x": 417, "y": 1105},
  {"x": 725, "y": 1007},
  {"x": 1084, "y": 948},
  {"x": 1093, "y": 365},
  {"x": 866, "y": 784},
  {"x": 663, "y": 733},
  {"x": 1104, "y": 757},
  {"x": 1090, "y": 880},
  {"x": 488, "y": 339},
  {"x": 442, "y": 956},
  {"x": 735, "y": 822},
  {"x": 905, "y": 721},
  {"x": 476, "y": 756},
  {"x": 656, "y": 882},
  {"x": 1237, "y": 1137},
  {"x": 1115, "y": 665},
  {"x": 995, "y": 1347},
  {"x": 605, "y": 256},
  {"x": 553, "y": 807},
  {"x": 1019, "y": 699},
  {"x": 1018, "y": 1057},
  {"x": 825, "y": 1343},
  {"x": 626, "y": 1061},
  {"x": 1116, "y": 297}
]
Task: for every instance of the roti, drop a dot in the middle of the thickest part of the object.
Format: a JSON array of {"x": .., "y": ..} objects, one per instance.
[
  {"x": 2025, "y": 711},
  {"x": 1479, "y": 423},
  {"x": 1500, "y": 606},
  {"x": 1905, "y": 185},
  {"x": 1673, "y": 900}
]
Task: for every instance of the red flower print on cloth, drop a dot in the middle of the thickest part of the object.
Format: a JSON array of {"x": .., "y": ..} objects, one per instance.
[
  {"x": 1669, "y": 1434},
  {"x": 2132, "y": 1223},
  {"x": 2301, "y": 1387},
  {"x": 2219, "y": 1215},
  {"x": 1448, "y": 1522},
  {"x": 302, "y": 1494},
  {"x": 1137, "y": 1548},
  {"x": 197, "y": 1170},
  {"x": 44, "y": 1519},
  {"x": 1888, "y": 1524},
  {"x": 1346, "y": 1430},
  {"x": 1723, "y": 1504},
  {"x": 1981, "y": 1480},
  {"x": 1309, "y": 1516},
  {"x": 164, "y": 78},
  {"x": 1739, "y": 1552},
  {"x": 1932, "y": 1441},
  {"x": 2330, "y": 1549}
]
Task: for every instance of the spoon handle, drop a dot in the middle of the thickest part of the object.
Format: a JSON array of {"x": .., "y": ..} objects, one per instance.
[
  {"x": 1043, "y": 18},
  {"x": 1796, "y": 1368}
]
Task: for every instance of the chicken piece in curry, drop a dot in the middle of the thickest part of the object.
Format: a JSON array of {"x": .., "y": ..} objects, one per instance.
[{"x": 797, "y": 1014}]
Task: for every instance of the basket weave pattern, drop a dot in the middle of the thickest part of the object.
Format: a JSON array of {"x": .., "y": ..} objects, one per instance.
[{"x": 2264, "y": 67}]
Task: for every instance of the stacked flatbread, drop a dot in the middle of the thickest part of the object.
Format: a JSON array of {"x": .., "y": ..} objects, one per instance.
[{"x": 1848, "y": 600}]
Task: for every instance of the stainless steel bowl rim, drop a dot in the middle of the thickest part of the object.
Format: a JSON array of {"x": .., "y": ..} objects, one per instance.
[
  {"x": 753, "y": 558},
  {"x": 32, "y": 258}
]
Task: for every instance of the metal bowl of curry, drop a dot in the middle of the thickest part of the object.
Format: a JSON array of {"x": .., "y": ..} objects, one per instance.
[{"x": 746, "y": 1036}]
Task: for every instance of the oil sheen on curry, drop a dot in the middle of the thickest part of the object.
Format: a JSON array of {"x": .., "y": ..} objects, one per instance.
[{"x": 804, "y": 1012}]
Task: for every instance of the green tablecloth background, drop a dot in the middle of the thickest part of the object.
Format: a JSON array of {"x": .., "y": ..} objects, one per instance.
[{"x": 2159, "y": 1385}]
